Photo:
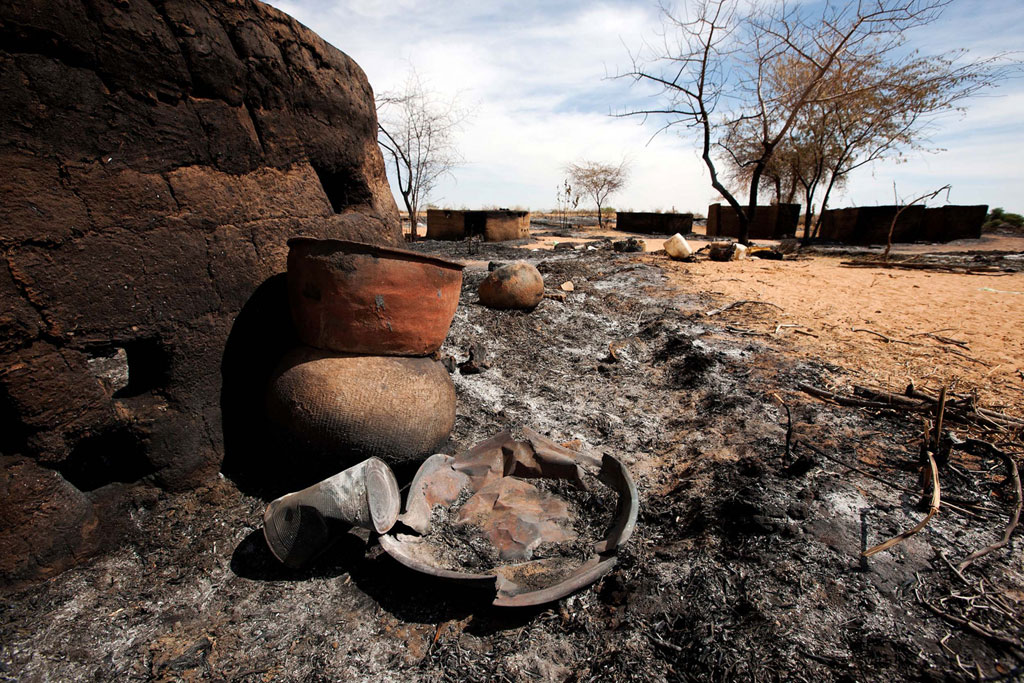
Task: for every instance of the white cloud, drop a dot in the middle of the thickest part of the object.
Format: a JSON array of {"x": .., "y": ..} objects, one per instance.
[{"x": 534, "y": 72}]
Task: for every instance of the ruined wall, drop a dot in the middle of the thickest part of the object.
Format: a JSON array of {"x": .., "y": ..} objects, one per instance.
[
  {"x": 492, "y": 226},
  {"x": 506, "y": 225},
  {"x": 770, "y": 222},
  {"x": 156, "y": 157},
  {"x": 443, "y": 224},
  {"x": 870, "y": 224},
  {"x": 866, "y": 225},
  {"x": 654, "y": 223}
]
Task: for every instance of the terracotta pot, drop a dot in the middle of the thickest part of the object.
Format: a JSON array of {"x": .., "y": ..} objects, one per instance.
[
  {"x": 342, "y": 408},
  {"x": 518, "y": 285},
  {"x": 351, "y": 297}
]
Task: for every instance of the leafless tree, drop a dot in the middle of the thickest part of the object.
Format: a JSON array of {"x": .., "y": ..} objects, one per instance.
[
  {"x": 903, "y": 205},
  {"x": 598, "y": 181},
  {"x": 736, "y": 69},
  {"x": 416, "y": 130}
]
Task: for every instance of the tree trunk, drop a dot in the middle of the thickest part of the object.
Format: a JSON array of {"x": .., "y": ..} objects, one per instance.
[
  {"x": 808, "y": 212},
  {"x": 824, "y": 204},
  {"x": 411, "y": 209}
]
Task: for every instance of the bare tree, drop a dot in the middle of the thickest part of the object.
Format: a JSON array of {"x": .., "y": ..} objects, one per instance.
[
  {"x": 734, "y": 69},
  {"x": 903, "y": 205},
  {"x": 598, "y": 181},
  {"x": 416, "y": 130}
]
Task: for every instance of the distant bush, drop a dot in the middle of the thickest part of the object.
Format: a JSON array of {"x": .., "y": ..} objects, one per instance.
[{"x": 998, "y": 219}]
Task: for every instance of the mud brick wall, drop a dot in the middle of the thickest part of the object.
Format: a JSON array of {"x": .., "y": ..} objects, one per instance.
[
  {"x": 870, "y": 224},
  {"x": 654, "y": 223},
  {"x": 446, "y": 225},
  {"x": 770, "y": 222},
  {"x": 156, "y": 156},
  {"x": 493, "y": 226},
  {"x": 948, "y": 223}
]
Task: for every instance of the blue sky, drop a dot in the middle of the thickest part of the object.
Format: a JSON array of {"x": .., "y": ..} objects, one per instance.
[{"x": 536, "y": 73}]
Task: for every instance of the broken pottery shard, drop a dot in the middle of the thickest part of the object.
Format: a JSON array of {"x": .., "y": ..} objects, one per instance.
[
  {"x": 484, "y": 462},
  {"x": 517, "y": 517},
  {"x": 568, "y": 286},
  {"x": 515, "y": 589},
  {"x": 556, "y": 456},
  {"x": 436, "y": 483},
  {"x": 415, "y": 553}
]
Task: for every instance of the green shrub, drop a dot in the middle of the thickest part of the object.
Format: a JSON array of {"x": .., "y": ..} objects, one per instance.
[{"x": 998, "y": 218}]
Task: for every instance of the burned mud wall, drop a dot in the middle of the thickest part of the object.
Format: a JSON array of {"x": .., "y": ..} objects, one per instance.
[
  {"x": 870, "y": 224},
  {"x": 156, "y": 157},
  {"x": 491, "y": 226},
  {"x": 654, "y": 223},
  {"x": 948, "y": 223},
  {"x": 770, "y": 222}
]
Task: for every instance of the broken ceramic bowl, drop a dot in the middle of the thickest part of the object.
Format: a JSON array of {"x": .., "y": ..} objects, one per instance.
[{"x": 489, "y": 492}]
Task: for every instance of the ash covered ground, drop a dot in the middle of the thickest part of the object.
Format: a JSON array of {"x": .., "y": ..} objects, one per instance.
[{"x": 745, "y": 564}]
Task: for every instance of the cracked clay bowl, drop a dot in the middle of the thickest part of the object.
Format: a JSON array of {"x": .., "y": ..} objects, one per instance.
[{"x": 351, "y": 297}]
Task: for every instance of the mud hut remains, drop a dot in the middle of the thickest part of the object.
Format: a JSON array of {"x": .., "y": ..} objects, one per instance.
[
  {"x": 870, "y": 224},
  {"x": 770, "y": 222},
  {"x": 492, "y": 226},
  {"x": 651, "y": 223}
]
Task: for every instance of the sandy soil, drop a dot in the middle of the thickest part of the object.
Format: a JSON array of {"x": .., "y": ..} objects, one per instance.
[
  {"x": 828, "y": 300},
  {"x": 820, "y": 297}
]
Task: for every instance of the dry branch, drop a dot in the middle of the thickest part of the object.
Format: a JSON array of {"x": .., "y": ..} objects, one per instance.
[
  {"x": 1011, "y": 526},
  {"x": 888, "y": 340},
  {"x": 936, "y": 267},
  {"x": 933, "y": 510},
  {"x": 959, "y": 411},
  {"x": 734, "y": 304}
]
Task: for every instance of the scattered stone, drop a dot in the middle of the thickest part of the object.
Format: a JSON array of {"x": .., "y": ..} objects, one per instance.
[
  {"x": 517, "y": 285},
  {"x": 631, "y": 245},
  {"x": 721, "y": 251},
  {"x": 568, "y": 286},
  {"x": 477, "y": 361},
  {"x": 449, "y": 362},
  {"x": 567, "y": 246}
]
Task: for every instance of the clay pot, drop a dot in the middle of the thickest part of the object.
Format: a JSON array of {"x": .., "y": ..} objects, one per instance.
[
  {"x": 518, "y": 285},
  {"x": 351, "y": 297},
  {"x": 346, "y": 408}
]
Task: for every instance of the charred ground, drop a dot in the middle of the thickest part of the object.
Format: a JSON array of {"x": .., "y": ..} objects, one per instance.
[{"x": 745, "y": 564}]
